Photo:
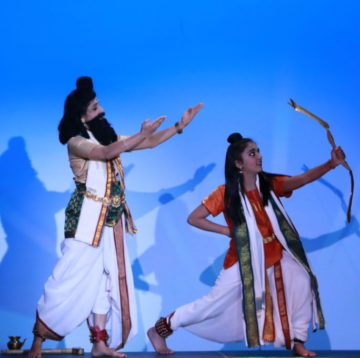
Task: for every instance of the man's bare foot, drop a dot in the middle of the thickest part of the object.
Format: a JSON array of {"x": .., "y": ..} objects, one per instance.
[
  {"x": 300, "y": 351},
  {"x": 100, "y": 349},
  {"x": 35, "y": 350},
  {"x": 158, "y": 342}
]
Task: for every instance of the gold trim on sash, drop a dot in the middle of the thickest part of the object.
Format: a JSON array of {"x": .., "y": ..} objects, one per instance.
[
  {"x": 247, "y": 276},
  {"x": 104, "y": 208},
  {"x": 269, "y": 327},
  {"x": 129, "y": 223},
  {"x": 281, "y": 299},
  {"x": 126, "y": 323}
]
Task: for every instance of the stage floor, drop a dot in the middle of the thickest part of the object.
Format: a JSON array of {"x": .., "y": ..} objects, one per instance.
[
  {"x": 244, "y": 354},
  {"x": 220, "y": 354}
]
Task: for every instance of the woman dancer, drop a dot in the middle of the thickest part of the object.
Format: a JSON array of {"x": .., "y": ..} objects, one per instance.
[{"x": 266, "y": 291}]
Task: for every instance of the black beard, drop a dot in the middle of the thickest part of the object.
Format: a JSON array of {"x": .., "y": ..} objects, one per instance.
[{"x": 102, "y": 130}]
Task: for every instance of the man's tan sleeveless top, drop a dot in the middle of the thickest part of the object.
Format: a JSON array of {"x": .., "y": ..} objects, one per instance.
[{"x": 79, "y": 149}]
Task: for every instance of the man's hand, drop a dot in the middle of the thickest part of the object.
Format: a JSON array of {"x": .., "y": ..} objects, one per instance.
[
  {"x": 149, "y": 127},
  {"x": 189, "y": 115}
]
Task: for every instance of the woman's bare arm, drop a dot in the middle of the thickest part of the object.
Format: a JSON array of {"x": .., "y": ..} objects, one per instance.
[
  {"x": 297, "y": 181},
  {"x": 198, "y": 218}
]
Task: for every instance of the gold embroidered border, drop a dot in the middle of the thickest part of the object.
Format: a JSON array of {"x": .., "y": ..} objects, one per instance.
[
  {"x": 44, "y": 331},
  {"x": 269, "y": 328},
  {"x": 295, "y": 246},
  {"x": 104, "y": 208},
  {"x": 123, "y": 288},
  {"x": 129, "y": 223},
  {"x": 249, "y": 306},
  {"x": 281, "y": 299}
]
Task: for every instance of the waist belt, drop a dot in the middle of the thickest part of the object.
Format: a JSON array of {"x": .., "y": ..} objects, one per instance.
[
  {"x": 268, "y": 239},
  {"x": 115, "y": 200}
]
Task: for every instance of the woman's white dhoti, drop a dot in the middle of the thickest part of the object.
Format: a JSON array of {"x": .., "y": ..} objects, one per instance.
[
  {"x": 85, "y": 281},
  {"x": 218, "y": 316}
]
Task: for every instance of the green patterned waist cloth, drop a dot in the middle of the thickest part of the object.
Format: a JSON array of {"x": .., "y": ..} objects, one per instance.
[{"x": 73, "y": 209}]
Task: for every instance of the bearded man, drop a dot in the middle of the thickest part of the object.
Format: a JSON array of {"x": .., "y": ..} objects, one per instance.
[{"x": 93, "y": 280}]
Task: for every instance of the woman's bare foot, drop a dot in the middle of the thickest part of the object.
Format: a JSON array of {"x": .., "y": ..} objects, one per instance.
[
  {"x": 100, "y": 349},
  {"x": 35, "y": 350},
  {"x": 158, "y": 342},
  {"x": 300, "y": 350}
]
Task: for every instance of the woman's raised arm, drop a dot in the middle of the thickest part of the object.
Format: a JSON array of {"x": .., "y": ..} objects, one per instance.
[{"x": 297, "y": 181}]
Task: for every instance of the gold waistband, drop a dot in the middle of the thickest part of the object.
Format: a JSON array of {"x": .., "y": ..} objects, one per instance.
[
  {"x": 115, "y": 200},
  {"x": 268, "y": 239}
]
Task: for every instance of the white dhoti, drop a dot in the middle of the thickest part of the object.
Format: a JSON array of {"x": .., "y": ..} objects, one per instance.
[
  {"x": 85, "y": 281},
  {"x": 218, "y": 316}
]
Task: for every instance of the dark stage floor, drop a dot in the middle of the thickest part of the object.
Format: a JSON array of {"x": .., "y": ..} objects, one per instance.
[{"x": 220, "y": 354}]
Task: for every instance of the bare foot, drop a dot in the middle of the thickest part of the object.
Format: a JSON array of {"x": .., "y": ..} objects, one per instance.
[
  {"x": 35, "y": 350},
  {"x": 100, "y": 349},
  {"x": 158, "y": 342},
  {"x": 300, "y": 350}
]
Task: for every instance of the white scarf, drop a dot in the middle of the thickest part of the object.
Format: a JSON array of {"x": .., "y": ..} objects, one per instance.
[
  {"x": 258, "y": 256},
  {"x": 90, "y": 210}
]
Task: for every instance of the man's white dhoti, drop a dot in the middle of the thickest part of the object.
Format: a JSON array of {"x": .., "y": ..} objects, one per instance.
[
  {"x": 218, "y": 316},
  {"x": 85, "y": 281}
]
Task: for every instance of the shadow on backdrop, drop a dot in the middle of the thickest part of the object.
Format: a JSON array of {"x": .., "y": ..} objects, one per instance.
[
  {"x": 142, "y": 203},
  {"x": 172, "y": 247},
  {"x": 27, "y": 211}
]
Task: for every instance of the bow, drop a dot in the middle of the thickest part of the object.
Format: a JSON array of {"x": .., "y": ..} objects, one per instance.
[{"x": 332, "y": 142}]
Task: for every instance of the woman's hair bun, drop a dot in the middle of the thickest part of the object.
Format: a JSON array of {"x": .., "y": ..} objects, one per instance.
[
  {"x": 234, "y": 137},
  {"x": 84, "y": 84}
]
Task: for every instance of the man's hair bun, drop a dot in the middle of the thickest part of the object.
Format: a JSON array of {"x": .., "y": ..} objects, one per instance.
[
  {"x": 84, "y": 84},
  {"x": 234, "y": 137}
]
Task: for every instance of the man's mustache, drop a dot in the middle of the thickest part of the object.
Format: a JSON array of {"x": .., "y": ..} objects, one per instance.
[{"x": 99, "y": 116}]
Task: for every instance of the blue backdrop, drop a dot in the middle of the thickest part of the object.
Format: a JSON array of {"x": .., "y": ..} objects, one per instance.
[{"x": 243, "y": 59}]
